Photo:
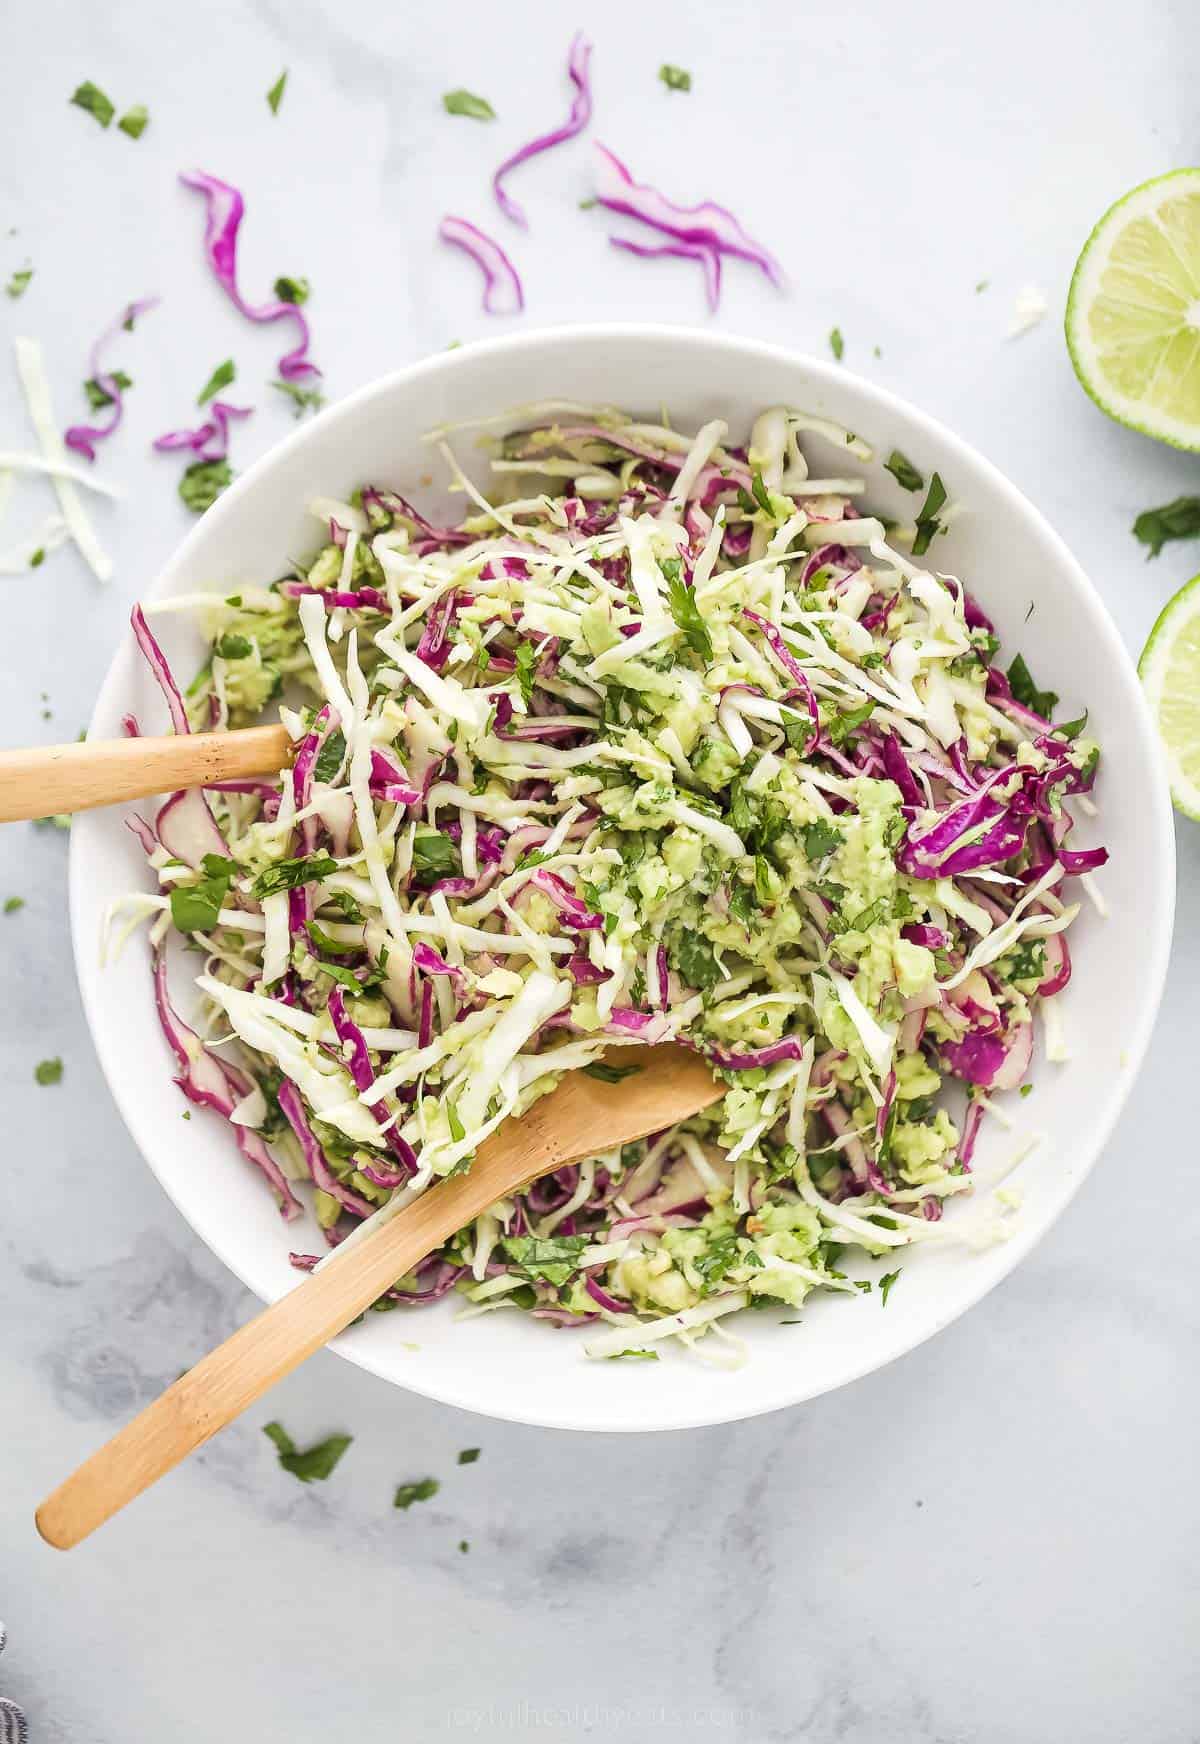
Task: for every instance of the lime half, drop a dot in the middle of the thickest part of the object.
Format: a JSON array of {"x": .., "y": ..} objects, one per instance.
[
  {"x": 1133, "y": 313},
  {"x": 1170, "y": 669}
]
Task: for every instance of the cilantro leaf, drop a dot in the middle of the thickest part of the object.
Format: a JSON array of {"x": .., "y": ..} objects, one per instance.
[
  {"x": 203, "y": 483},
  {"x": 675, "y": 78},
  {"x": 1026, "y": 691},
  {"x": 820, "y": 839},
  {"x": 334, "y": 947},
  {"x": 836, "y": 343},
  {"x": 526, "y": 661},
  {"x": 48, "y": 1071},
  {"x": 18, "y": 284},
  {"x": 468, "y": 1456},
  {"x": 231, "y": 646},
  {"x": 885, "y": 1285},
  {"x": 292, "y": 875},
  {"x": 743, "y": 905},
  {"x": 329, "y": 757},
  {"x": 220, "y": 378},
  {"x": 98, "y": 395},
  {"x": 275, "y": 94},
  {"x": 196, "y": 908},
  {"x": 421, "y": 1491},
  {"x": 697, "y": 962},
  {"x": 13, "y": 903},
  {"x": 434, "y": 856},
  {"x": 927, "y": 521},
  {"x": 91, "y": 97},
  {"x": 609, "y": 1074},
  {"x": 903, "y": 471},
  {"x": 304, "y": 399},
  {"x": 291, "y": 290},
  {"x": 552, "y": 1258},
  {"x": 840, "y": 726},
  {"x": 467, "y": 103},
  {"x": 1072, "y": 729},
  {"x": 1175, "y": 520},
  {"x": 685, "y": 611},
  {"x": 135, "y": 121},
  {"x": 314, "y": 1462}
]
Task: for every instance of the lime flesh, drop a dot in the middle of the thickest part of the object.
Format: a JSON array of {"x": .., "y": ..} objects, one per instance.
[{"x": 1170, "y": 671}]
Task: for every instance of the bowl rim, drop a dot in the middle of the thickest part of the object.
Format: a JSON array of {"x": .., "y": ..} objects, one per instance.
[{"x": 794, "y": 1390}]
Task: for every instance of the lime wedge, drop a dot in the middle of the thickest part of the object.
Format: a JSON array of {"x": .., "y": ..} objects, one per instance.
[
  {"x": 1170, "y": 671},
  {"x": 1133, "y": 313}
]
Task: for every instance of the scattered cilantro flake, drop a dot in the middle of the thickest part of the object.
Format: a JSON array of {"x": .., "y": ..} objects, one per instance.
[
  {"x": 685, "y": 611},
  {"x": 468, "y": 1456},
  {"x": 1175, "y": 520},
  {"x": 885, "y": 1284},
  {"x": 634, "y": 1355},
  {"x": 820, "y": 839},
  {"x": 314, "y": 1462},
  {"x": 609, "y": 1074},
  {"x": 291, "y": 875},
  {"x": 220, "y": 378},
  {"x": 551, "y": 1258},
  {"x": 48, "y": 1071},
  {"x": 696, "y": 961},
  {"x": 587, "y": 205},
  {"x": 982, "y": 285},
  {"x": 434, "y": 856},
  {"x": 463, "y": 1545},
  {"x": 13, "y": 903},
  {"x": 195, "y": 908},
  {"x": 1072, "y": 729},
  {"x": 675, "y": 78},
  {"x": 421, "y": 1491},
  {"x": 98, "y": 395},
  {"x": 467, "y": 103},
  {"x": 836, "y": 343},
  {"x": 91, "y": 97},
  {"x": 329, "y": 757},
  {"x": 458, "y": 1131},
  {"x": 304, "y": 399},
  {"x": 36, "y": 559},
  {"x": 927, "y": 521},
  {"x": 275, "y": 94},
  {"x": 904, "y": 472},
  {"x": 134, "y": 121},
  {"x": 840, "y": 726},
  {"x": 231, "y": 646},
  {"x": 1026, "y": 691},
  {"x": 18, "y": 284},
  {"x": 526, "y": 661},
  {"x": 203, "y": 483},
  {"x": 1026, "y": 1090},
  {"x": 291, "y": 290}
]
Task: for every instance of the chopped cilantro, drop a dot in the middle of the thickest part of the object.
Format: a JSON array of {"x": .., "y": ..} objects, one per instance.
[
  {"x": 675, "y": 78},
  {"x": 203, "y": 483},
  {"x": 468, "y": 1456},
  {"x": 927, "y": 521},
  {"x": 836, "y": 343},
  {"x": 91, "y": 97},
  {"x": 885, "y": 1284},
  {"x": 685, "y": 611},
  {"x": 1026, "y": 1090},
  {"x": 467, "y": 103},
  {"x": 1026, "y": 691},
  {"x": 1072, "y": 729},
  {"x": 291, "y": 290},
  {"x": 275, "y": 94},
  {"x": 36, "y": 559},
  {"x": 840, "y": 726},
  {"x": 421, "y": 1491},
  {"x": 330, "y": 756},
  {"x": 98, "y": 395},
  {"x": 13, "y": 903},
  {"x": 434, "y": 856},
  {"x": 1175, "y": 520},
  {"x": 292, "y": 875},
  {"x": 552, "y": 1258},
  {"x": 135, "y": 121},
  {"x": 18, "y": 284},
  {"x": 314, "y": 1462},
  {"x": 697, "y": 962},
  {"x": 231, "y": 646},
  {"x": 220, "y": 378},
  {"x": 196, "y": 908},
  {"x": 303, "y": 399},
  {"x": 904, "y": 472},
  {"x": 458, "y": 1131},
  {"x": 463, "y": 1545},
  {"x": 48, "y": 1071},
  {"x": 819, "y": 839},
  {"x": 526, "y": 661}
]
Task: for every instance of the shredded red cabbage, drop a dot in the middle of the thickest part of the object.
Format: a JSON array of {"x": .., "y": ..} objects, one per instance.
[
  {"x": 502, "y": 292},
  {"x": 581, "y": 114},
  {"x": 84, "y": 437}
]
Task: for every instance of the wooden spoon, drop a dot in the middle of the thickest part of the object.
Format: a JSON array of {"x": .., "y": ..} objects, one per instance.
[
  {"x": 582, "y": 1116},
  {"x": 45, "y": 779}
]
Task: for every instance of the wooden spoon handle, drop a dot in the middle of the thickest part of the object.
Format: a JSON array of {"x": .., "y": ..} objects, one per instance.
[
  {"x": 274, "y": 1343},
  {"x": 37, "y": 782}
]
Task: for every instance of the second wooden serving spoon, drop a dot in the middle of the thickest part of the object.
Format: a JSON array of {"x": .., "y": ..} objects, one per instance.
[{"x": 581, "y": 1117}]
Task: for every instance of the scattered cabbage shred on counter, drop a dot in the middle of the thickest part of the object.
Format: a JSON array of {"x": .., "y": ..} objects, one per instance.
[{"x": 663, "y": 740}]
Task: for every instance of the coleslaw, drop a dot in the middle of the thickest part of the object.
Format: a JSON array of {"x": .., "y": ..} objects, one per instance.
[{"x": 666, "y": 739}]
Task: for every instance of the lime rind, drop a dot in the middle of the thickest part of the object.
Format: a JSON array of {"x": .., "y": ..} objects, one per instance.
[
  {"x": 1169, "y": 667},
  {"x": 1152, "y": 336}
]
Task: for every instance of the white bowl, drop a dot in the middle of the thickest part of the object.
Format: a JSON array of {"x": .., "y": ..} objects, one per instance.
[{"x": 507, "y": 1365}]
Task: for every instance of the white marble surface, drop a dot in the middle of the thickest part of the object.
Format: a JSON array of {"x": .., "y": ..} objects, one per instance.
[{"x": 995, "y": 1540}]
